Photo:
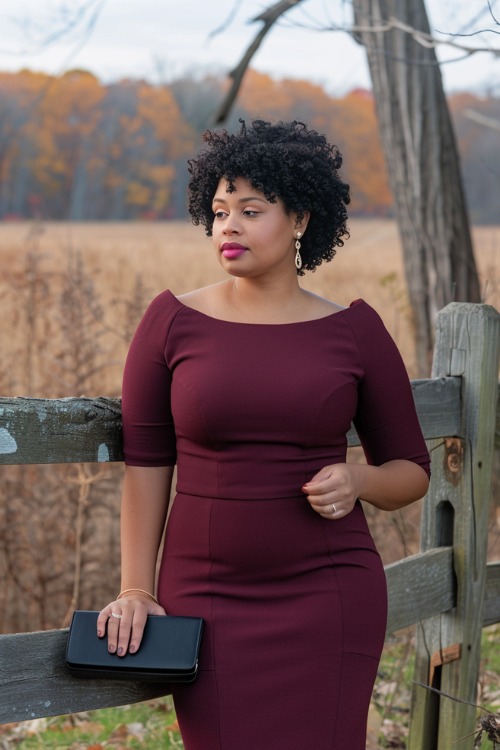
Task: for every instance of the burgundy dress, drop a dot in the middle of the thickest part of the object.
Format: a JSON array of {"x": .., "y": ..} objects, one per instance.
[{"x": 294, "y": 604}]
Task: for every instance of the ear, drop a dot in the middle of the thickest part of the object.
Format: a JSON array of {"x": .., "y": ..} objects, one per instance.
[{"x": 301, "y": 225}]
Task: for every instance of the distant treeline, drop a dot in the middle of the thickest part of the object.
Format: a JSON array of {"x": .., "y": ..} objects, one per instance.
[{"x": 74, "y": 148}]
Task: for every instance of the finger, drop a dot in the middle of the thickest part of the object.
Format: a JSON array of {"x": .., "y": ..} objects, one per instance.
[
  {"x": 322, "y": 475},
  {"x": 329, "y": 484},
  {"x": 114, "y": 628},
  {"x": 132, "y": 624},
  {"x": 123, "y": 634},
  {"x": 332, "y": 508},
  {"x": 102, "y": 621},
  {"x": 323, "y": 503},
  {"x": 336, "y": 513},
  {"x": 327, "y": 509},
  {"x": 138, "y": 624}
]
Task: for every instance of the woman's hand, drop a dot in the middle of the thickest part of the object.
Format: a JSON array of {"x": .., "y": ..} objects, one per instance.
[
  {"x": 146, "y": 492},
  {"x": 124, "y": 620},
  {"x": 333, "y": 491}
]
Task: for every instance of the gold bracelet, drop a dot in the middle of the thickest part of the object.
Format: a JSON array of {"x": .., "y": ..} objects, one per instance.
[{"x": 127, "y": 591}]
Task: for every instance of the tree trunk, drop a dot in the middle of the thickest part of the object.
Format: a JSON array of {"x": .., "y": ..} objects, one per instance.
[{"x": 423, "y": 164}]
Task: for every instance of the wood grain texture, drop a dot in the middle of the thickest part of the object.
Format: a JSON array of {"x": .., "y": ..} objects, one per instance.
[
  {"x": 68, "y": 430},
  {"x": 34, "y": 681},
  {"x": 419, "y": 587},
  {"x": 491, "y": 602}
]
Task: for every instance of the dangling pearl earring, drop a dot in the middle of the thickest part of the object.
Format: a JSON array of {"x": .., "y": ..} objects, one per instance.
[{"x": 298, "y": 259}]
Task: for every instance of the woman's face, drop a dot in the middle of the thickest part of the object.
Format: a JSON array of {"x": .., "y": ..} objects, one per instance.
[{"x": 251, "y": 235}]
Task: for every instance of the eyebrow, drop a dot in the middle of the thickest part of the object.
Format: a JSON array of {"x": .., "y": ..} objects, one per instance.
[{"x": 247, "y": 199}]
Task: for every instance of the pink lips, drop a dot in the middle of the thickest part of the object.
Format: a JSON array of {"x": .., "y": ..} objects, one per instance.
[{"x": 232, "y": 250}]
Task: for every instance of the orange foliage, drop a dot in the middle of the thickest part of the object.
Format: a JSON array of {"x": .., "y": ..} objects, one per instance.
[
  {"x": 349, "y": 122},
  {"x": 158, "y": 110},
  {"x": 262, "y": 96},
  {"x": 73, "y": 148},
  {"x": 354, "y": 124},
  {"x": 95, "y": 151}
]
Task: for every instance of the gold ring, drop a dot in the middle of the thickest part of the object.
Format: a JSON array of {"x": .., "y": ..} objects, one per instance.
[{"x": 118, "y": 617}]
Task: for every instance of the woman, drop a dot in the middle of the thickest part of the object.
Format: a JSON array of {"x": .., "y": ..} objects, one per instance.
[{"x": 250, "y": 387}]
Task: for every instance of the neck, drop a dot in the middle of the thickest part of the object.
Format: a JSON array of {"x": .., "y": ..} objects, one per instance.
[{"x": 266, "y": 298}]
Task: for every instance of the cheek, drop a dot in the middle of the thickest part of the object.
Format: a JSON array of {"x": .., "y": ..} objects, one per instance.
[{"x": 215, "y": 238}]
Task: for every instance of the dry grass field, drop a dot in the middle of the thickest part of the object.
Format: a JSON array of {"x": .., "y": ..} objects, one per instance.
[{"x": 178, "y": 256}]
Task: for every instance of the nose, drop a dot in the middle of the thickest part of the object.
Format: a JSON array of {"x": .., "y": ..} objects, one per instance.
[{"x": 231, "y": 225}]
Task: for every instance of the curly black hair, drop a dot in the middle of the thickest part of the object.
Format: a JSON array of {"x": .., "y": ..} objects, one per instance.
[{"x": 286, "y": 160}]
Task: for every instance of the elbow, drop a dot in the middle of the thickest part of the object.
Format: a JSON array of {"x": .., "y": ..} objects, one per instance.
[
  {"x": 417, "y": 487},
  {"x": 422, "y": 484},
  {"x": 407, "y": 483}
]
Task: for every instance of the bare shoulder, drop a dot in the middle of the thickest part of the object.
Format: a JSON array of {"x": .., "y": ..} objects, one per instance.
[
  {"x": 206, "y": 300},
  {"x": 320, "y": 307}
]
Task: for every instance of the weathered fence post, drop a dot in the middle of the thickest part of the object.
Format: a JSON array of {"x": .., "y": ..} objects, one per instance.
[{"x": 456, "y": 513}]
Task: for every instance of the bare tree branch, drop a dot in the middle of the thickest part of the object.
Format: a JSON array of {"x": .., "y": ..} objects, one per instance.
[
  {"x": 80, "y": 22},
  {"x": 224, "y": 25},
  {"x": 424, "y": 39},
  {"x": 492, "y": 14},
  {"x": 268, "y": 18},
  {"x": 472, "y": 33},
  {"x": 488, "y": 122},
  {"x": 451, "y": 697}
]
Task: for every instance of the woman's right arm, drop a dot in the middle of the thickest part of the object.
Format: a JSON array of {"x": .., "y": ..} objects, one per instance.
[{"x": 145, "y": 500}]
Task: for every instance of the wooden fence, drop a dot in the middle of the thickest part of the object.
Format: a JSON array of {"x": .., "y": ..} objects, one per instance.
[{"x": 448, "y": 588}]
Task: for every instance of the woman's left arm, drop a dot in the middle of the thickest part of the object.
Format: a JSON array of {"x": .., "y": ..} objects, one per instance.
[
  {"x": 333, "y": 491},
  {"x": 396, "y": 473}
]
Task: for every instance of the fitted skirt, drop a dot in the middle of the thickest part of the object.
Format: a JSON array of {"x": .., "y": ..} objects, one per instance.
[{"x": 295, "y": 610}]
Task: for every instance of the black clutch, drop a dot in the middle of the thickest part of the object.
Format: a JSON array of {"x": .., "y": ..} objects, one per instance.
[{"x": 168, "y": 651}]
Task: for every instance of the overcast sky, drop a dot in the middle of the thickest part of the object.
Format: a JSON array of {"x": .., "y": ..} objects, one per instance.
[{"x": 162, "y": 39}]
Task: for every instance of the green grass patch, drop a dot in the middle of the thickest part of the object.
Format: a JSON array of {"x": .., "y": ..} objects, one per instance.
[{"x": 141, "y": 726}]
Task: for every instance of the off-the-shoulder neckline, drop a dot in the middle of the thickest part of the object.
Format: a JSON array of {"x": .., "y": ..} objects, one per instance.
[{"x": 267, "y": 325}]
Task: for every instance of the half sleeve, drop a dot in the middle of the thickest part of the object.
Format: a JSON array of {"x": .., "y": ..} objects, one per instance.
[
  {"x": 148, "y": 428},
  {"x": 386, "y": 419}
]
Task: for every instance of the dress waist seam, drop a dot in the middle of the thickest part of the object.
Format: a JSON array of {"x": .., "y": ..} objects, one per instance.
[{"x": 256, "y": 498}]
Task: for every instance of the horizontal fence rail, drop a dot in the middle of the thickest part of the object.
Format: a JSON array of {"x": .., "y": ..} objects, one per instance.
[
  {"x": 73, "y": 430},
  {"x": 34, "y": 681},
  {"x": 66, "y": 430}
]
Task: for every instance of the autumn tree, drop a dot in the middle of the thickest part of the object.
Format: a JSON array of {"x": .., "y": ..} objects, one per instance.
[
  {"x": 70, "y": 112},
  {"x": 73, "y": 148},
  {"x": 351, "y": 122}
]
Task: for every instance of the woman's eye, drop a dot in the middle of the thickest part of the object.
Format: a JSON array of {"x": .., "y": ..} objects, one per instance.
[
  {"x": 250, "y": 212},
  {"x": 219, "y": 214}
]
